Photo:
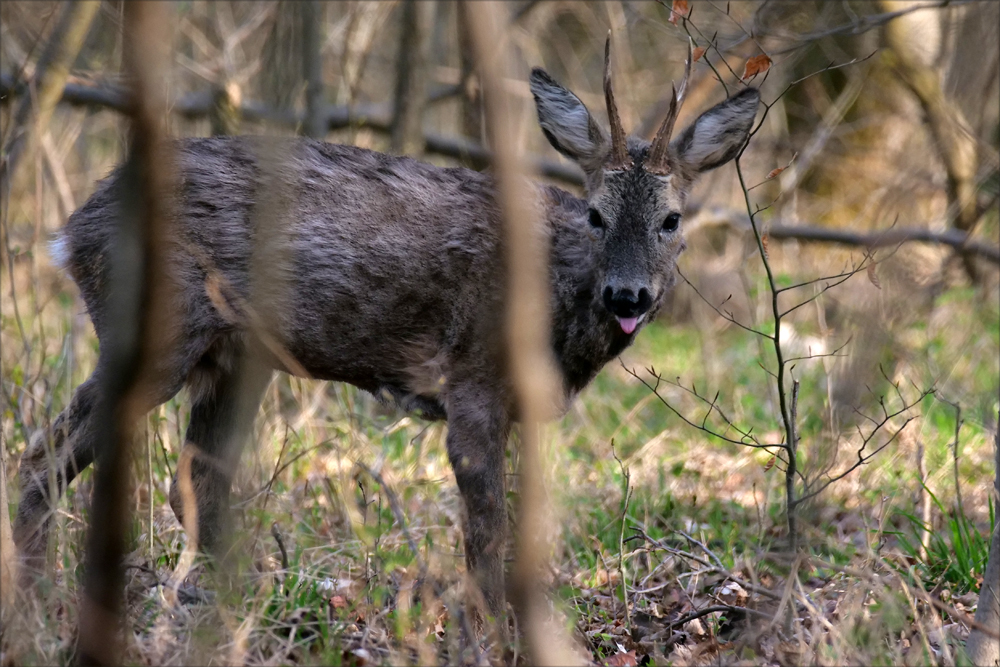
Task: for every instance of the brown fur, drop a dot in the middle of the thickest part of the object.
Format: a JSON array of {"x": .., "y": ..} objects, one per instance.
[{"x": 389, "y": 276}]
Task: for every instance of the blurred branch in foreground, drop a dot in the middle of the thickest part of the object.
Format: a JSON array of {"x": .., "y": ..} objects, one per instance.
[
  {"x": 531, "y": 366},
  {"x": 8, "y": 558},
  {"x": 982, "y": 648},
  {"x": 138, "y": 303}
]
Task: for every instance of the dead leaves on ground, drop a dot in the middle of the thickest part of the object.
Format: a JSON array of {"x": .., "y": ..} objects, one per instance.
[{"x": 622, "y": 659}]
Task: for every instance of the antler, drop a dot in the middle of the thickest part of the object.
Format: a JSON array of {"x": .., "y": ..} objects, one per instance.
[
  {"x": 658, "y": 161},
  {"x": 619, "y": 157}
]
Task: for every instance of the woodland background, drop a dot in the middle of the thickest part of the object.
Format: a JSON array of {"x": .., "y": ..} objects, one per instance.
[{"x": 875, "y": 163}]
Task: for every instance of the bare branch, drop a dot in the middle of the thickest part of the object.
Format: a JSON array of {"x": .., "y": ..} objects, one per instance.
[
  {"x": 834, "y": 353},
  {"x": 377, "y": 117},
  {"x": 863, "y": 457},
  {"x": 747, "y": 439},
  {"x": 724, "y": 315}
]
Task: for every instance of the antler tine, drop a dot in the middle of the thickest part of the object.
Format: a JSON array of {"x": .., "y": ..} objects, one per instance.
[
  {"x": 619, "y": 158},
  {"x": 658, "y": 161}
]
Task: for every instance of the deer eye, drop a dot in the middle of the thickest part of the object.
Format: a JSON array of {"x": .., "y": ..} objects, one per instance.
[
  {"x": 671, "y": 222},
  {"x": 596, "y": 221}
]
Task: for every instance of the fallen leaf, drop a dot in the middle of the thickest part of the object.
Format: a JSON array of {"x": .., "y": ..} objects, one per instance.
[
  {"x": 872, "y": 278},
  {"x": 678, "y": 9},
  {"x": 697, "y": 54},
  {"x": 732, "y": 594},
  {"x": 756, "y": 65},
  {"x": 626, "y": 659},
  {"x": 338, "y": 602}
]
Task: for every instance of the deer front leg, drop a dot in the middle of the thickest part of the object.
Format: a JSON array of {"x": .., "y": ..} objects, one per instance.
[{"x": 478, "y": 427}]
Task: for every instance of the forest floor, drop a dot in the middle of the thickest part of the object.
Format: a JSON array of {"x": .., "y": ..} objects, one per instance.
[{"x": 668, "y": 547}]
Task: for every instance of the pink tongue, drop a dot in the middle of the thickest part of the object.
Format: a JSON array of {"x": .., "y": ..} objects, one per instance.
[{"x": 628, "y": 323}]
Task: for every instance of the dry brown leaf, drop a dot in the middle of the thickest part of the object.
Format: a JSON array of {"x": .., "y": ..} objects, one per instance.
[
  {"x": 770, "y": 462},
  {"x": 338, "y": 602},
  {"x": 697, "y": 54},
  {"x": 625, "y": 659},
  {"x": 774, "y": 172},
  {"x": 678, "y": 9},
  {"x": 756, "y": 65},
  {"x": 763, "y": 243},
  {"x": 872, "y": 278}
]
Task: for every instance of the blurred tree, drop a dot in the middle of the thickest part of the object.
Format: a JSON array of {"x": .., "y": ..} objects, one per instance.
[{"x": 412, "y": 65}]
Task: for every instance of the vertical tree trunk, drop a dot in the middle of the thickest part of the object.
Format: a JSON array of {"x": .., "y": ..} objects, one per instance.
[
  {"x": 225, "y": 116},
  {"x": 912, "y": 39},
  {"x": 281, "y": 59},
  {"x": 983, "y": 649},
  {"x": 412, "y": 74},
  {"x": 472, "y": 101},
  {"x": 312, "y": 68}
]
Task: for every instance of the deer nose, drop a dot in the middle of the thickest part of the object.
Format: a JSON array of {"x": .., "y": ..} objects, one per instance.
[{"x": 624, "y": 302}]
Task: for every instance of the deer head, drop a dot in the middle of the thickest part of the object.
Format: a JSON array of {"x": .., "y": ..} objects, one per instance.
[{"x": 636, "y": 190}]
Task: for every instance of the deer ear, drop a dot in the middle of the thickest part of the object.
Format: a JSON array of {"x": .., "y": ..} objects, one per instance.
[
  {"x": 567, "y": 123},
  {"x": 718, "y": 135}
]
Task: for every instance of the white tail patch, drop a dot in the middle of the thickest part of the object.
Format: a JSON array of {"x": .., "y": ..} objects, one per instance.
[{"x": 59, "y": 250}]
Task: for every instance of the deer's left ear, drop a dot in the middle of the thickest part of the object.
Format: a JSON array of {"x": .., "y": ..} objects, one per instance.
[{"x": 717, "y": 136}]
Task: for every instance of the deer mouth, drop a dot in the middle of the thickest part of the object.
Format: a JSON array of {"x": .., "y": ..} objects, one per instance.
[{"x": 629, "y": 324}]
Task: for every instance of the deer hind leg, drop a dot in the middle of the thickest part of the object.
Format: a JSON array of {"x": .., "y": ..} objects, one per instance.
[
  {"x": 46, "y": 471},
  {"x": 477, "y": 438},
  {"x": 227, "y": 386},
  {"x": 53, "y": 459}
]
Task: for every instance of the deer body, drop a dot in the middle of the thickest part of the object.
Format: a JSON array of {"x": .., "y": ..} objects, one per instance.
[{"x": 386, "y": 273}]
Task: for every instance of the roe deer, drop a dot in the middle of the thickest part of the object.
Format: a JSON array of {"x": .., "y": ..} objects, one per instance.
[{"x": 394, "y": 277}]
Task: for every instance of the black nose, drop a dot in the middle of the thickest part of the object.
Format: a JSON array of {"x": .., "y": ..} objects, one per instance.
[{"x": 624, "y": 302}]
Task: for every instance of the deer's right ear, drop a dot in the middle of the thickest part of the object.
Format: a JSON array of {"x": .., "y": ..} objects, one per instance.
[{"x": 567, "y": 123}]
